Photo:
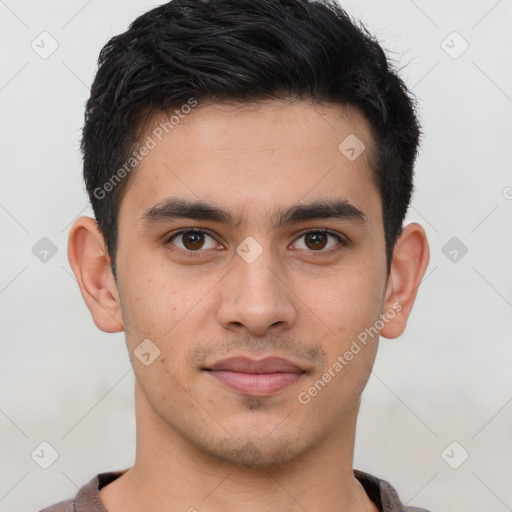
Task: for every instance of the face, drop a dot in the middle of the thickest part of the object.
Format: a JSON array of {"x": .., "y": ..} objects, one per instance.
[{"x": 252, "y": 256}]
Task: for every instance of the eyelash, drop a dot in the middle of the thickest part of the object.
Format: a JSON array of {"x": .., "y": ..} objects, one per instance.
[{"x": 339, "y": 238}]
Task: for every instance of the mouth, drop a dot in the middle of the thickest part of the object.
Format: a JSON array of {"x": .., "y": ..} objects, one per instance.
[{"x": 257, "y": 378}]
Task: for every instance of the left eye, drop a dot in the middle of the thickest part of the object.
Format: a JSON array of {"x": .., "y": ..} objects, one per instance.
[{"x": 319, "y": 240}]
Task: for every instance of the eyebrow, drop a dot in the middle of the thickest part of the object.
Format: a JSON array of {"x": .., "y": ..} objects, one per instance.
[{"x": 174, "y": 208}]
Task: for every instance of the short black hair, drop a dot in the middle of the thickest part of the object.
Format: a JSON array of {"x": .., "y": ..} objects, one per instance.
[{"x": 243, "y": 51}]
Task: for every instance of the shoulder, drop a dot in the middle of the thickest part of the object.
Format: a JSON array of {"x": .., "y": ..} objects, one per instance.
[
  {"x": 61, "y": 506},
  {"x": 383, "y": 494},
  {"x": 88, "y": 497}
]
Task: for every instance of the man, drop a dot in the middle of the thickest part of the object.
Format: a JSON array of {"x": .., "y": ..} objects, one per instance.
[{"x": 250, "y": 165}]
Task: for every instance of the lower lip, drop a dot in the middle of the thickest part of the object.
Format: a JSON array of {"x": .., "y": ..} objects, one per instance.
[{"x": 256, "y": 384}]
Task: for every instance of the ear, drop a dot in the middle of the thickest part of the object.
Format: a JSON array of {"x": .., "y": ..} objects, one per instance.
[
  {"x": 89, "y": 260},
  {"x": 410, "y": 261}
]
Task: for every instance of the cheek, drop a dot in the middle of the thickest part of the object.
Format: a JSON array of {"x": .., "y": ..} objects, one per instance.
[
  {"x": 349, "y": 307},
  {"x": 346, "y": 302},
  {"x": 150, "y": 293},
  {"x": 168, "y": 310}
]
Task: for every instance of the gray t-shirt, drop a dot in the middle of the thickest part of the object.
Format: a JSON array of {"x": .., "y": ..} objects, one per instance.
[{"x": 88, "y": 497}]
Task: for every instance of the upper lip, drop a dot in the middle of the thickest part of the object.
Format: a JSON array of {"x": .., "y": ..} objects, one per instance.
[{"x": 247, "y": 365}]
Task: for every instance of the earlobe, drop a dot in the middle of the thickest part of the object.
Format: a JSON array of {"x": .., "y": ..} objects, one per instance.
[
  {"x": 89, "y": 260},
  {"x": 410, "y": 260}
]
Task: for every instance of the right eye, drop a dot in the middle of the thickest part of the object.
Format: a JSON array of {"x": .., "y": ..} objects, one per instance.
[{"x": 192, "y": 240}]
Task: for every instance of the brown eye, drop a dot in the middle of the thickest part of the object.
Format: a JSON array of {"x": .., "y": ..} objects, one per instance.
[
  {"x": 319, "y": 240},
  {"x": 192, "y": 240},
  {"x": 316, "y": 240}
]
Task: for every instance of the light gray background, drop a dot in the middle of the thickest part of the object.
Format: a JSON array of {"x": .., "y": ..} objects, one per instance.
[{"x": 446, "y": 379}]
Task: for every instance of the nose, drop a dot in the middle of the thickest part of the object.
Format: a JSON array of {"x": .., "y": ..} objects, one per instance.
[{"x": 256, "y": 297}]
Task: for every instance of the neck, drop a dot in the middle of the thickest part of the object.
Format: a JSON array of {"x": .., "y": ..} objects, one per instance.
[{"x": 171, "y": 475}]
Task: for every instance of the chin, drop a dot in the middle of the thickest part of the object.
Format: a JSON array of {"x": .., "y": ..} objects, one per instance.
[{"x": 263, "y": 454}]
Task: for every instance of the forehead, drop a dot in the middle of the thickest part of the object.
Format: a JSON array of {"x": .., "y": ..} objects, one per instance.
[{"x": 252, "y": 157}]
